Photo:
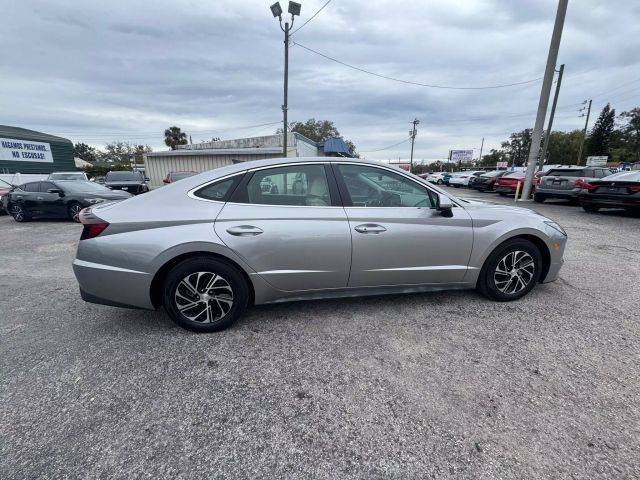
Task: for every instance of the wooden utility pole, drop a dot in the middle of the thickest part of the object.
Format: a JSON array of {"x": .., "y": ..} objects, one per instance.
[
  {"x": 584, "y": 133},
  {"x": 413, "y": 139},
  {"x": 543, "y": 157}
]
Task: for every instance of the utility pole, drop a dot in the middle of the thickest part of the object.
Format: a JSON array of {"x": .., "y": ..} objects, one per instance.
[
  {"x": 481, "y": 147},
  {"x": 413, "y": 139},
  {"x": 543, "y": 157},
  {"x": 544, "y": 97},
  {"x": 584, "y": 132}
]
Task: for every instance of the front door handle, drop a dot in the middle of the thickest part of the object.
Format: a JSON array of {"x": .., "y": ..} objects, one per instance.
[
  {"x": 244, "y": 231},
  {"x": 39, "y": 198},
  {"x": 370, "y": 228}
]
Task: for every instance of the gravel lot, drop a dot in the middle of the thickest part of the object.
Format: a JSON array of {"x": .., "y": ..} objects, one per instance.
[{"x": 439, "y": 385}]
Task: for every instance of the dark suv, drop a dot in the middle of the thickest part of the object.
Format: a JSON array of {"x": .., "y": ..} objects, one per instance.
[
  {"x": 567, "y": 183},
  {"x": 132, "y": 182}
]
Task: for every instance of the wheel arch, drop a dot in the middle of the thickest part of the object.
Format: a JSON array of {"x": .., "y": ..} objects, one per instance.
[{"x": 155, "y": 289}]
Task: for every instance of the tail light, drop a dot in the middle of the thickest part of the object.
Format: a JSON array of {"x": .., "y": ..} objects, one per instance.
[
  {"x": 634, "y": 189},
  {"x": 587, "y": 186},
  {"x": 92, "y": 224},
  {"x": 581, "y": 183}
]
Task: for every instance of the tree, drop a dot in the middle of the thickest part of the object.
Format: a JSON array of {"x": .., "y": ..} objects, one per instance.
[
  {"x": 174, "y": 136},
  {"x": 629, "y": 136},
  {"x": 563, "y": 147},
  {"x": 123, "y": 152},
  {"x": 601, "y": 132},
  {"x": 518, "y": 146},
  {"x": 318, "y": 131},
  {"x": 139, "y": 151},
  {"x": 85, "y": 152},
  {"x": 492, "y": 158}
]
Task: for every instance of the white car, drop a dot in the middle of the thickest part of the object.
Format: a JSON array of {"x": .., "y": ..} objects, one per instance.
[
  {"x": 437, "y": 177},
  {"x": 460, "y": 179},
  {"x": 68, "y": 176}
]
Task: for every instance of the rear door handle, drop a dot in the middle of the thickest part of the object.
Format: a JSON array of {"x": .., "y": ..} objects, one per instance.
[
  {"x": 244, "y": 231},
  {"x": 370, "y": 228}
]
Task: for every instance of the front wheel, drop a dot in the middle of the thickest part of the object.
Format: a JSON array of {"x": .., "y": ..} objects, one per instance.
[
  {"x": 439, "y": 182},
  {"x": 18, "y": 213},
  {"x": 73, "y": 210},
  {"x": 511, "y": 271},
  {"x": 204, "y": 294},
  {"x": 538, "y": 198},
  {"x": 590, "y": 208},
  {"x": 502, "y": 194}
]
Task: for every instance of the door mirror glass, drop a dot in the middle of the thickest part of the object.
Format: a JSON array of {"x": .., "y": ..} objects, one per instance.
[{"x": 444, "y": 205}]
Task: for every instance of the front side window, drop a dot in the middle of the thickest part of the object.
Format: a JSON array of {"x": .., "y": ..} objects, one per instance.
[
  {"x": 298, "y": 185},
  {"x": 44, "y": 186},
  {"x": 31, "y": 187},
  {"x": 375, "y": 187}
]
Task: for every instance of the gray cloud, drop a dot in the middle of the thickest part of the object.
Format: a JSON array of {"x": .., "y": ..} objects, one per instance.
[{"x": 97, "y": 72}]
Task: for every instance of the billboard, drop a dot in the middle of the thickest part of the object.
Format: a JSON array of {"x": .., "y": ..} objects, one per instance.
[
  {"x": 597, "y": 161},
  {"x": 25, "y": 150},
  {"x": 461, "y": 155}
]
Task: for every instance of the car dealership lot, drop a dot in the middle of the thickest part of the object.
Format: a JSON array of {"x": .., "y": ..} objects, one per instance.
[{"x": 441, "y": 384}]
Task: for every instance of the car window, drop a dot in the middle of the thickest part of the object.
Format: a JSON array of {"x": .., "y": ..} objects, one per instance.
[
  {"x": 31, "y": 187},
  {"x": 44, "y": 186},
  {"x": 602, "y": 173},
  {"x": 216, "y": 191},
  {"x": 299, "y": 185},
  {"x": 566, "y": 173},
  {"x": 123, "y": 176},
  {"x": 376, "y": 187}
]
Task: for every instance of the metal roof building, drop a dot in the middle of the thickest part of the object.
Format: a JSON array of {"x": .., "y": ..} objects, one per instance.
[{"x": 27, "y": 151}]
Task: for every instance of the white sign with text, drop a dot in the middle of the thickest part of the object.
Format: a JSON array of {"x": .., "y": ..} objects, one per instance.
[
  {"x": 461, "y": 155},
  {"x": 25, "y": 150}
]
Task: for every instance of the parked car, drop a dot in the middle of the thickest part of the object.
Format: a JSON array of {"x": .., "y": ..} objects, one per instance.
[
  {"x": 57, "y": 199},
  {"x": 175, "y": 176},
  {"x": 226, "y": 242},
  {"x": 486, "y": 181},
  {"x": 620, "y": 190},
  {"x": 5, "y": 188},
  {"x": 460, "y": 179},
  {"x": 446, "y": 177},
  {"x": 474, "y": 175},
  {"x": 437, "y": 177},
  {"x": 508, "y": 184},
  {"x": 567, "y": 183},
  {"x": 132, "y": 182},
  {"x": 68, "y": 176}
]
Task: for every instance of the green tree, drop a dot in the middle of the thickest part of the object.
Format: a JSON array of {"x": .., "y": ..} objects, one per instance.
[
  {"x": 174, "y": 136},
  {"x": 123, "y": 152},
  {"x": 630, "y": 135},
  {"x": 518, "y": 146},
  {"x": 601, "y": 133},
  {"x": 492, "y": 158},
  {"x": 85, "y": 152},
  {"x": 563, "y": 147},
  {"x": 318, "y": 131}
]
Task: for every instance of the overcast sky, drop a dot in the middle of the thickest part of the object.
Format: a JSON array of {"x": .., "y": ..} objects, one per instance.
[{"x": 102, "y": 71}]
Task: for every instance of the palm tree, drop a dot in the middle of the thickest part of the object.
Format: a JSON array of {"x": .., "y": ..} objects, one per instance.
[{"x": 174, "y": 136}]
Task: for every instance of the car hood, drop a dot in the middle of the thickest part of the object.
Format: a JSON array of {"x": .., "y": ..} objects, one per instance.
[{"x": 476, "y": 208}]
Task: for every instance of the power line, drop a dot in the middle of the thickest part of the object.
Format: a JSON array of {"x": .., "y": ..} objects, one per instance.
[
  {"x": 390, "y": 146},
  {"x": 409, "y": 82},
  {"x": 314, "y": 16}
]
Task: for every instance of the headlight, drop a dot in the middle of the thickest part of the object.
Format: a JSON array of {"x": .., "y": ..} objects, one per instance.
[
  {"x": 555, "y": 226},
  {"x": 93, "y": 200}
]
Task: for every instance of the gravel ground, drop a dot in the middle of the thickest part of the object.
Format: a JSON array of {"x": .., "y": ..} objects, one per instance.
[{"x": 438, "y": 385}]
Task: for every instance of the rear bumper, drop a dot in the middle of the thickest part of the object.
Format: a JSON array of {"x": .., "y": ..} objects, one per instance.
[
  {"x": 550, "y": 193},
  {"x": 506, "y": 189},
  {"x": 115, "y": 286}
]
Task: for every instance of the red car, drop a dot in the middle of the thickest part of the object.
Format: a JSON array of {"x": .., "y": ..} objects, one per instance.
[
  {"x": 175, "y": 176},
  {"x": 5, "y": 188},
  {"x": 508, "y": 184}
]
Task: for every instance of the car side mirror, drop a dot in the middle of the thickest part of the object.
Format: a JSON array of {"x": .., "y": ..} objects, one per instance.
[
  {"x": 444, "y": 205},
  {"x": 56, "y": 190}
]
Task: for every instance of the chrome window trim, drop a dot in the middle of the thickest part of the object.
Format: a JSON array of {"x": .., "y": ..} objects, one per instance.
[{"x": 191, "y": 193}]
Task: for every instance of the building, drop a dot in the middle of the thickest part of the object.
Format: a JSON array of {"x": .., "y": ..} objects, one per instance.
[
  {"x": 29, "y": 152},
  {"x": 201, "y": 157}
]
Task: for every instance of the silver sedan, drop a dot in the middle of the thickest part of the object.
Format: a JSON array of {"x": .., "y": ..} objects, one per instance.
[{"x": 210, "y": 245}]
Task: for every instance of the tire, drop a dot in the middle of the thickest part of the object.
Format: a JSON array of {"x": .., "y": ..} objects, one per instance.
[
  {"x": 539, "y": 198},
  {"x": 73, "y": 211},
  {"x": 456, "y": 186},
  {"x": 496, "y": 286},
  {"x": 229, "y": 294},
  {"x": 502, "y": 194},
  {"x": 439, "y": 182},
  {"x": 590, "y": 208},
  {"x": 18, "y": 213}
]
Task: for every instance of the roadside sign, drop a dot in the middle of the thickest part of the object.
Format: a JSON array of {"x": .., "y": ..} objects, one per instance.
[
  {"x": 600, "y": 161},
  {"x": 461, "y": 155},
  {"x": 502, "y": 164}
]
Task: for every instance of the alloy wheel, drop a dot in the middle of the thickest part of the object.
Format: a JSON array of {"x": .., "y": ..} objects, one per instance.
[
  {"x": 514, "y": 272},
  {"x": 74, "y": 212},
  {"x": 203, "y": 297},
  {"x": 17, "y": 213}
]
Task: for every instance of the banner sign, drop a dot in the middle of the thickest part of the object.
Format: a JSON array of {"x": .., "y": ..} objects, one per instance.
[
  {"x": 502, "y": 164},
  {"x": 600, "y": 161},
  {"x": 25, "y": 151},
  {"x": 461, "y": 155}
]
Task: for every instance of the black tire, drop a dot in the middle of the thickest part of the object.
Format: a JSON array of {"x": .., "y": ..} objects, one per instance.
[
  {"x": 73, "y": 211},
  {"x": 230, "y": 286},
  {"x": 590, "y": 208},
  {"x": 487, "y": 283},
  {"x": 573, "y": 201},
  {"x": 456, "y": 186},
  {"x": 439, "y": 182},
  {"x": 502, "y": 194},
  {"x": 539, "y": 198},
  {"x": 18, "y": 213}
]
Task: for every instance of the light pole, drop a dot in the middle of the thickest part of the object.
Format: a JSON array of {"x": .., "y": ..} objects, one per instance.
[
  {"x": 412, "y": 133},
  {"x": 294, "y": 10}
]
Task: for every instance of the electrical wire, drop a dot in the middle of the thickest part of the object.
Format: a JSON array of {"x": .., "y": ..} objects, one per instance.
[
  {"x": 409, "y": 82},
  {"x": 388, "y": 147},
  {"x": 314, "y": 16}
]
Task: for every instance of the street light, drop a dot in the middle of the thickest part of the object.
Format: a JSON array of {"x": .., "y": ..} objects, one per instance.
[{"x": 294, "y": 10}]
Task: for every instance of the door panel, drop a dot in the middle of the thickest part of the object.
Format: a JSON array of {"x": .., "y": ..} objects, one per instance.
[
  {"x": 50, "y": 204},
  {"x": 417, "y": 246}
]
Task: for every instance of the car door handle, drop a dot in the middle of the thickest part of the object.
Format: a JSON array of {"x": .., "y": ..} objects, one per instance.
[
  {"x": 370, "y": 228},
  {"x": 39, "y": 198},
  {"x": 244, "y": 231}
]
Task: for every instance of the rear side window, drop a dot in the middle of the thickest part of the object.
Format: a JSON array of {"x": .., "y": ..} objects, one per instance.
[
  {"x": 298, "y": 185},
  {"x": 218, "y": 191},
  {"x": 31, "y": 187},
  {"x": 44, "y": 186}
]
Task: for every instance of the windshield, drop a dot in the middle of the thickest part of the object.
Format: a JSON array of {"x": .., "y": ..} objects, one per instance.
[
  {"x": 180, "y": 175},
  {"x": 124, "y": 176},
  {"x": 67, "y": 176},
  {"x": 4, "y": 184},
  {"x": 73, "y": 186},
  {"x": 491, "y": 174},
  {"x": 565, "y": 173}
]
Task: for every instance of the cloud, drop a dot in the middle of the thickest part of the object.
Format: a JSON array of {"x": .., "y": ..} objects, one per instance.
[{"x": 126, "y": 70}]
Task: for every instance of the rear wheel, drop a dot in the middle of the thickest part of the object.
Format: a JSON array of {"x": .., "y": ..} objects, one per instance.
[
  {"x": 590, "y": 208},
  {"x": 511, "y": 271},
  {"x": 502, "y": 194},
  {"x": 73, "y": 210},
  {"x": 18, "y": 213},
  {"x": 439, "y": 182},
  {"x": 204, "y": 294},
  {"x": 539, "y": 198}
]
